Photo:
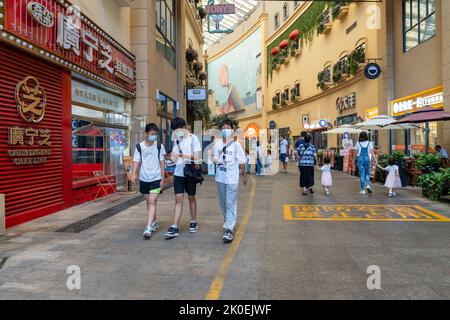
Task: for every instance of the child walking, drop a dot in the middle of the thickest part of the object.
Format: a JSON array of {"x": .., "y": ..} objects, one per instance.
[
  {"x": 393, "y": 178},
  {"x": 327, "y": 179}
]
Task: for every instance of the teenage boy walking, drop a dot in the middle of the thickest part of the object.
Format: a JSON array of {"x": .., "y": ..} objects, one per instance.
[
  {"x": 187, "y": 149},
  {"x": 229, "y": 156},
  {"x": 150, "y": 155}
]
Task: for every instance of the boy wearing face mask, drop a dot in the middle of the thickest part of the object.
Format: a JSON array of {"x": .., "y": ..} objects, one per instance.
[
  {"x": 150, "y": 155},
  {"x": 229, "y": 157},
  {"x": 187, "y": 149}
]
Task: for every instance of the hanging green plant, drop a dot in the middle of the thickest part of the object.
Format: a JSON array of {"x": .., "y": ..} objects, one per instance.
[
  {"x": 306, "y": 24},
  {"x": 337, "y": 73}
]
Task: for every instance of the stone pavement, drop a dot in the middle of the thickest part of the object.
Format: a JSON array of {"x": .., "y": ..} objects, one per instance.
[{"x": 274, "y": 256}]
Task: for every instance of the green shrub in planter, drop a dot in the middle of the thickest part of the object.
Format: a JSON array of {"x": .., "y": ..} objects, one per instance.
[
  {"x": 434, "y": 184},
  {"x": 428, "y": 162}
]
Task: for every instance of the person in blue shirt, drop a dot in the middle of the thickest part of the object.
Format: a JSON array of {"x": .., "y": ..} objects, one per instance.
[
  {"x": 442, "y": 152},
  {"x": 301, "y": 141}
]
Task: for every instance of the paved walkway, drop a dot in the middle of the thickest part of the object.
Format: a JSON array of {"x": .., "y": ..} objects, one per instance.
[{"x": 287, "y": 247}]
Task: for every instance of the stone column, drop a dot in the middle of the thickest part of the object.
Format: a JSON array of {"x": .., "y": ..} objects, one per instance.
[
  {"x": 143, "y": 46},
  {"x": 386, "y": 83},
  {"x": 445, "y": 13}
]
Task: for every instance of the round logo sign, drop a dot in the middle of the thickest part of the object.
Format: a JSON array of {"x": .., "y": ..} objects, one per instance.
[
  {"x": 323, "y": 123},
  {"x": 272, "y": 125},
  {"x": 372, "y": 71},
  {"x": 41, "y": 14},
  {"x": 31, "y": 100}
]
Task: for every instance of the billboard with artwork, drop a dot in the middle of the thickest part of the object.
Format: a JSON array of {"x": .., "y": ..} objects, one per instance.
[{"x": 233, "y": 76}]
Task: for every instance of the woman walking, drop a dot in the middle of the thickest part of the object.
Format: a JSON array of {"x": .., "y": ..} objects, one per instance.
[
  {"x": 308, "y": 159},
  {"x": 364, "y": 157}
]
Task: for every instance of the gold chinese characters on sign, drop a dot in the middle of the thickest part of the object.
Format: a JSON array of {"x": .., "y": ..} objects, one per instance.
[
  {"x": 31, "y": 100},
  {"x": 31, "y": 104}
]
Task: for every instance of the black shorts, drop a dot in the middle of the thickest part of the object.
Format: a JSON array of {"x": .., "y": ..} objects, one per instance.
[
  {"x": 150, "y": 187},
  {"x": 182, "y": 185}
]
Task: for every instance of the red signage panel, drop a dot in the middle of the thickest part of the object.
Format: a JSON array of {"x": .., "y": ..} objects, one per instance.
[{"x": 57, "y": 31}]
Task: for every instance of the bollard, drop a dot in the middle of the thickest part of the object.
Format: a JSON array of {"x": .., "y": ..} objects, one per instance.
[{"x": 2, "y": 214}]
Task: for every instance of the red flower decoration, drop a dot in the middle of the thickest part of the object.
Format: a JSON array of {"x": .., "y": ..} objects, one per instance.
[
  {"x": 294, "y": 35},
  {"x": 275, "y": 51},
  {"x": 284, "y": 44}
]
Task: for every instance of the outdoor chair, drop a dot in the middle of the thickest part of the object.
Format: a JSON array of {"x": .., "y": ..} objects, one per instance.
[{"x": 105, "y": 185}]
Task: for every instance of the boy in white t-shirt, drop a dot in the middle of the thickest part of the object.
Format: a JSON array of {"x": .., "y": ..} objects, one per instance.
[
  {"x": 150, "y": 155},
  {"x": 229, "y": 157}
]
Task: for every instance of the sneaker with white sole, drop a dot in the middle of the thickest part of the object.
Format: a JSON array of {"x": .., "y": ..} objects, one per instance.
[
  {"x": 155, "y": 227},
  {"x": 362, "y": 192},
  {"x": 228, "y": 236},
  {"x": 369, "y": 190},
  {"x": 147, "y": 233},
  {"x": 172, "y": 233},
  {"x": 193, "y": 227}
]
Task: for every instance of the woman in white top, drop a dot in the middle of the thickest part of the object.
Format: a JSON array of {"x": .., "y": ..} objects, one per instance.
[{"x": 365, "y": 155}]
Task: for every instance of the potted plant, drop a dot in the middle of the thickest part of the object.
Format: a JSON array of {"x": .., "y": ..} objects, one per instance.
[
  {"x": 283, "y": 100},
  {"x": 284, "y": 51},
  {"x": 428, "y": 163},
  {"x": 339, "y": 9},
  {"x": 435, "y": 184},
  {"x": 191, "y": 55},
  {"x": 323, "y": 78},
  {"x": 324, "y": 24},
  {"x": 295, "y": 43},
  {"x": 356, "y": 60},
  {"x": 202, "y": 13},
  {"x": 274, "y": 103},
  {"x": 202, "y": 76},
  {"x": 275, "y": 57},
  {"x": 337, "y": 74}
]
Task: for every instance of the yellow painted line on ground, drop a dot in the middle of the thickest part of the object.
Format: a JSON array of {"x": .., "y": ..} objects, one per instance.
[
  {"x": 217, "y": 284},
  {"x": 434, "y": 214}
]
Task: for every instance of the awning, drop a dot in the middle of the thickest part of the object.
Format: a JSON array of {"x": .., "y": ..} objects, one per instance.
[{"x": 428, "y": 114}]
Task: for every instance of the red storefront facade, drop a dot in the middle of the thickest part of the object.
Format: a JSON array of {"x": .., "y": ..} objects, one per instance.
[{"x": 39, "y": 54}]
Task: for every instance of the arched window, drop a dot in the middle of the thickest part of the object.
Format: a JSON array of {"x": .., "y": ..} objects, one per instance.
[
  {"x": 277, "y": 20},
  {"x": 285, "y": 10}
]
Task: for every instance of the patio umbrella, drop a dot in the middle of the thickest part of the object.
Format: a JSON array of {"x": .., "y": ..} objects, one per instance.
[
  {"x": 382, "y": 123},
  {"x": 428, "y": 114},
  {"x": 343, "y": 129}
]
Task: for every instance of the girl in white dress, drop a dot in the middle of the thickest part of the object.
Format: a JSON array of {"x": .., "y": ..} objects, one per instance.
[
  {"x": 393, "y": 178},
  {"x": 327, "y": 180}
]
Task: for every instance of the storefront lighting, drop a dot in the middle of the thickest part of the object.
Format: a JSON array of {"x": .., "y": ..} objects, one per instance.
[{"x": 4, "y": 35}]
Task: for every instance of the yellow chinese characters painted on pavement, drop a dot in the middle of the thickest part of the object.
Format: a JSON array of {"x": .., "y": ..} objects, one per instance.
[{"x": 361, "y": 213}]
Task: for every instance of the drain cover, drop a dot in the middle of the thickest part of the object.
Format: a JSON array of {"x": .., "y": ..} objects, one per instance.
[{"x": 91, "y": 221}]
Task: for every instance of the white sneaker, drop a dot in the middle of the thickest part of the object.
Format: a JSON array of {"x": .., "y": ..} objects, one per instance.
[
  {"x": 147, "y": 233},
  {"x": 362, "y": 192},
  {"x": 391, "y": 194}
]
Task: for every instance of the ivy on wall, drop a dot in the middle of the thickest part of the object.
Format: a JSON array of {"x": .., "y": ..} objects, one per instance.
[{"x": 306, "y": 24}]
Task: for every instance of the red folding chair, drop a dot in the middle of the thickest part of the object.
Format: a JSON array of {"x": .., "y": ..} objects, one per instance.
[{"x": 106, "y": 186}]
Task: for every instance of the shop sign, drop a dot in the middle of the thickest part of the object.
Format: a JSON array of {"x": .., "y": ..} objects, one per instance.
[
  {"x": 90, "y": 96},
  {"x": 31, "y": 100},
  {"x": 31, "y": 103},
  {"x": 41, "y": 14},
  {"x": 346, "y": 102},
  {"x": 371, "y": 113},
  {"x": 429, "y": 98},
  {"x": 349, "y": 120},
  {"x": 220, "y": 9},
  {"x": 196, "y": 94},
  {"x": 58, "y": 32},
  {"x": 317, "y": 124},
  {"x": 372, "y": 71}
]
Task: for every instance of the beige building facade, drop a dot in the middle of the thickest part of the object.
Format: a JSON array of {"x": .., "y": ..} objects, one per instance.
[{"x": 294, "y": 98}]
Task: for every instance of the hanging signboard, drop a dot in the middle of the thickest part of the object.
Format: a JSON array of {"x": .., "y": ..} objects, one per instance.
[
  {"x": 58, "y": 32},
  {"x": 216, "y": 13},
  {"x": 196, "y": 94}
]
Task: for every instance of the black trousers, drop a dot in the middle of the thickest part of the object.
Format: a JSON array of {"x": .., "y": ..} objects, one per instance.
[{"x": 306, "y": 176}]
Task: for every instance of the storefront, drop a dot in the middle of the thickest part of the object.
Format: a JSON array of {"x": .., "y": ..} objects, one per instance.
[
  {"x": 63, "y": 85},
  {"x": 415, "y": 139}
]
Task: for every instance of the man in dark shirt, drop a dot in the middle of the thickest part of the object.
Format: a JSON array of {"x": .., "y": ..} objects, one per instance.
[{"x": 301, "y": 140}]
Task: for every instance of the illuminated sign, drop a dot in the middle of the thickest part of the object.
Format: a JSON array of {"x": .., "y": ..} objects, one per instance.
[
  {"x": 198, "y": 94},
  {"x": 221, "y": 9},
  {"x": 58, "y": 32},
  {"x": 216, "y": 13},
  {"x": 429, "y": 98}
]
